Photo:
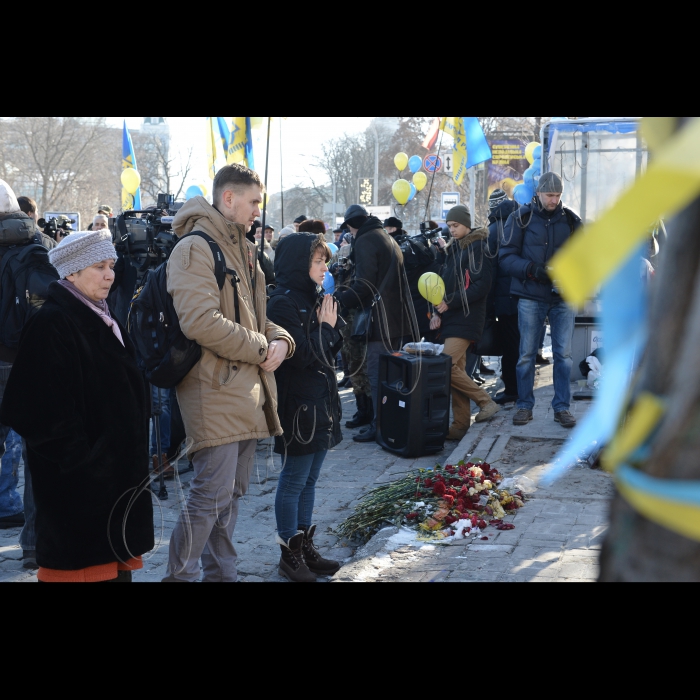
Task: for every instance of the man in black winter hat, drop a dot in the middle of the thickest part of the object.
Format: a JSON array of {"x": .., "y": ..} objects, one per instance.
[
  {"x": 393, "y": 226},
  {"x": 378, "y": 272},
  {"x": 533, "y": 236}
]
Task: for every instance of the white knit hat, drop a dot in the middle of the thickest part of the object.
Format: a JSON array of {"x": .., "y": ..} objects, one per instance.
[
  {"x": 8, "y": 200},
  {"x": 79, "y": 251}
]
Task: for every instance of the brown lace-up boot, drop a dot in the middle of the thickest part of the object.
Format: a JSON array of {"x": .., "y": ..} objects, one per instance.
[
  {"x": 292, "y": 565},
  {"x": 316, "y": 563}
]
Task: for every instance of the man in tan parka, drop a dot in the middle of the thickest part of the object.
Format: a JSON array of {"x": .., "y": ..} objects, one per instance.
[{"x": 229, "y": 400}]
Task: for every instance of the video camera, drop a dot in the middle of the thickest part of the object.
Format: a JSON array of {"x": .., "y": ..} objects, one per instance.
[
  {"x": 146, "y": 238},
  {"x": 428, "y": 235},
  {"x": 52, "y": 227}
]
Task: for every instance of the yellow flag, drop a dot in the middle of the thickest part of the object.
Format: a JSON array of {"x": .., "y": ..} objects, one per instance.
[
  {"x": 212, "y": 140},
  {"x": 454, "y": 127}
]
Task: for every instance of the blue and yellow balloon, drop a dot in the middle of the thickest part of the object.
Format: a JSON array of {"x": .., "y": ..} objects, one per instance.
[{"x": 194, "y": 191}]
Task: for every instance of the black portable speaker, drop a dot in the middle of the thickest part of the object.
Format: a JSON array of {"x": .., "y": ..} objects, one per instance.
[{"x": 414, "y": 403}]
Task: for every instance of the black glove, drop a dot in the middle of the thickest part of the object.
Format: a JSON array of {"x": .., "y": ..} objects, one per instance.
[{"x": 538, "y": 273}]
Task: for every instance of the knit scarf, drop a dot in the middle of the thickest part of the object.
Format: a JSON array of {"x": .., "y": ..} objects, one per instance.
[{"x": 99, "y": 307}]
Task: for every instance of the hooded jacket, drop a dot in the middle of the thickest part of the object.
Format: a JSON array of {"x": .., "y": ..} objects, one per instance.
[
  {"x": 309, "y": 404},
  {"x": 226, "y": 398},
  {"x": 501, "y": 302},
  {"x": 534, "y": 237},
  {"x": 77, "y": 396},
  {"x": 379, "y": 263},
  {"x": 466, "y": 273}
]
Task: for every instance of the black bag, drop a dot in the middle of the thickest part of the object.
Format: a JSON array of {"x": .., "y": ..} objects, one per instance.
[
  {"x": 165, "y": 354},
  {"x": 490, "y": 344},
  {"x": 25, "y": 277}
]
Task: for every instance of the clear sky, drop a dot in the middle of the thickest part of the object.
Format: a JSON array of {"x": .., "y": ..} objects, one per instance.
[{"x": 302, "y": 138}]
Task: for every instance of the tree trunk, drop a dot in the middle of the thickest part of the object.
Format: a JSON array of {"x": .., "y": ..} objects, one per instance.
[{"x": 637, "y": 549}]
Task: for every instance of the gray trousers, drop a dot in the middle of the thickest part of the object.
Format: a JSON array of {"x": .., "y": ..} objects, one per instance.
[{"x": 206, "y": 525}]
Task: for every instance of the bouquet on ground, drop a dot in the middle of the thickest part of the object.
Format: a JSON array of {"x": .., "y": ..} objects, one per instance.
[{"x": 453, "y": 502}]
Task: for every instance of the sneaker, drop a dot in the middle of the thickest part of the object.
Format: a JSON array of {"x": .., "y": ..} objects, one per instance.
[
  {"x": 488, "y": 412},
  {"x": 565, "y": 419},
  {"x": 12, "y": 522},
  {"x": 522, "y": 417},
  {"x": 368, "y": 435},
  {"x": 542, "y": 360}
]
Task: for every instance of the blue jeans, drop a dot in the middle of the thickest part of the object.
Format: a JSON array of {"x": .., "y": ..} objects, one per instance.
[
  {"x": 10, "y": 500},
  {"x": 161, "y": 397},
  {"x": 296, "y": 493},
  {"x": 562, "y": 320}
]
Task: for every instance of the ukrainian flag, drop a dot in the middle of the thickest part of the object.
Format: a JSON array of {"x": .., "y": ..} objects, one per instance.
[
  {"x": 129, "y": 161},
  {"x": 470, "y": 145},
  {"x": 240, "y": 149}
]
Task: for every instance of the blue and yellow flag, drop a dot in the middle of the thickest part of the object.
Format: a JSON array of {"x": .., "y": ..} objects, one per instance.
[
  {"x": 470, "y": 145},
  {"x": 129, "y": 161},
  {"x": 240, "y": 148}
]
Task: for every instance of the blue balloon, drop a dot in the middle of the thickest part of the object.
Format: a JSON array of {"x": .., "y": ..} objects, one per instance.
[
  {"x": 523, "y": 194},
  {"x": 329, "y": 284},
  {"x": 415, "y": 164},
  {"x": 414, "y": 192},
  {"x": 194, "y": 191},
  {"x": 333, "y": 247},
  {"x": 529, "y": 175},
  {"x": 537, "y": 164},
  {"x": 537, "y": 153}
]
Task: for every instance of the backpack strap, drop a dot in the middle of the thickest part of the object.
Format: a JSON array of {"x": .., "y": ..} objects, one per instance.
[{"x": 220, "y": 269}]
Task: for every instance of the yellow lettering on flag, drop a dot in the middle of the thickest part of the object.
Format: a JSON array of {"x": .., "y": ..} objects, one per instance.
[
  {"x": 671, "y": 182},
  {"x": 454, "y": 127}
]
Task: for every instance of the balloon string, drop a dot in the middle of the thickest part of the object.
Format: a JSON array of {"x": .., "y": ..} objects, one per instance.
[{"x": 432, "y": 182}]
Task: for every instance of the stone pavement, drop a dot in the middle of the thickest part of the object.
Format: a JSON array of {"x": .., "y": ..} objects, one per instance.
[
  {"x": 557, "y": 537},
  {"x": 558, "y": 534}
]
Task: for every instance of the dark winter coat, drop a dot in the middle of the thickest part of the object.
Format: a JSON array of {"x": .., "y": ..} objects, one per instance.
[
  {"x": 535, "y": 236},
  {"x": 309, "y": 405},
  {"x": 466, "y": 271},
  {"x": 379, "y": 261},
  {"x": 78, "y": 399},
  {"x": 501, "y": 301}
]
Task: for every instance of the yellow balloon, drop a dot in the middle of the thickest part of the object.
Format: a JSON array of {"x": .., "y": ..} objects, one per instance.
[
  {"x": 420, "y": 180},
  {"x": 432, "y": 288},
  {"x": 204, "y": 189},
  {"x": 402, "y": 191},
  {"x": 131, "y": 180},
  {"x": 530, "y": 150},
  {"x": 401, "y": 162}
]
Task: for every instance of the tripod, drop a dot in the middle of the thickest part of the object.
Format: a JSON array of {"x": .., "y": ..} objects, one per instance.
[{"x": 157, "y": 412}]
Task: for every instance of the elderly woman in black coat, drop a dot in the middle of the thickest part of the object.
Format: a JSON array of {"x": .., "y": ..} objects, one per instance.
[
  {"x": 78, "y": 399},
  {"x": 309, "y": 402}
]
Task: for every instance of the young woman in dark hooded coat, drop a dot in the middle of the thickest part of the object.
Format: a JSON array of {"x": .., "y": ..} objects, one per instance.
[{"x": 309, "y": 403}]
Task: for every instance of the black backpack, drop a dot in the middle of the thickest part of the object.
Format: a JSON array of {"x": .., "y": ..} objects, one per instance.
[
  {"x": 164, "y": 353},
  {"x": 25, "y": 277}
]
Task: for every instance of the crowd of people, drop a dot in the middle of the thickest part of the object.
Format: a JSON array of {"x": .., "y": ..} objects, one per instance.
[{"x": 75, "y": 404}]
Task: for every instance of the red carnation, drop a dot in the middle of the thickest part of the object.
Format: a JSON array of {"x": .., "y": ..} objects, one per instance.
[
  {"x": 449, "y": 500},
  {"x": 475, "y": 521},
  {"x": 428, "y": 483},
  {"x": 439, "y": 489},
  {"x": 449, "y": 520},
  {"x": 451, "y": 492},
  {"x": 419, "y": 494},
  {"x": 482, "y": 525},
  {"x": 412, "y": 516},
  {"x": 484, "y": 539}
]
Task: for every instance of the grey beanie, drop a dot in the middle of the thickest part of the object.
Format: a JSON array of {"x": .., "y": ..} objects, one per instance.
[
  {"x": 551, "y": 183},
  {"x": 79, "y": 251},
  {"x": 461, "y": 215}
]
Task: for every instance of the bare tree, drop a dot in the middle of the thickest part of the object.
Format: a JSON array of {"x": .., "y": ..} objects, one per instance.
[
  {"x": 161, "y": 172},
  {"x": 65, "y": 163}
]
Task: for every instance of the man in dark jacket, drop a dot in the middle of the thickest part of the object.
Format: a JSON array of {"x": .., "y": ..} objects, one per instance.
[
  {"x": 502, "y": 305},
  {"x": 378, "y": 272},
  {"x": 534, "y": 235}
]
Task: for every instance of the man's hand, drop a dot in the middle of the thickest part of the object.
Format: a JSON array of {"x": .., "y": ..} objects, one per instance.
[
  {"x": 435, "y": 323},
  {"x": 276, "y": 355},
  {"x": 539, "y": 274},
  {"x": 443, "y": 308}
]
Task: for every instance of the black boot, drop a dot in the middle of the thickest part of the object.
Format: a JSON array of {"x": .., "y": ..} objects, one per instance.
[
  {"x": 316, "y": 563},
  {"x": 369, "y": 434},
  {"x": 364, "y": 415},
  {"x": 292, "y": 565}
]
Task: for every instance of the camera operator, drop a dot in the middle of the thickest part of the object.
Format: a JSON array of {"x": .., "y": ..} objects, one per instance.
[
  {"x": 28, "y": 206},
  {"x": 100, "y": 223},
  {"x": 379, "y": 266}
]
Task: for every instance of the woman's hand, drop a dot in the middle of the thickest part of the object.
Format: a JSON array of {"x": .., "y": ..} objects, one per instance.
[
  {"x": 328, "y": 313},
  {"x": 443, "y": 308},
  {"x": 276, "y": 355},
  {"x": 435, "y": 323}
]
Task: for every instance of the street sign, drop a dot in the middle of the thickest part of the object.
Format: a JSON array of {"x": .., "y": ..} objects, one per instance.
[
  {"x": 432, "y": 163},
  {"x": 450, "y": 200},
  {"x": 382, "y": 213},
  {"x": 450, "y": 163}
]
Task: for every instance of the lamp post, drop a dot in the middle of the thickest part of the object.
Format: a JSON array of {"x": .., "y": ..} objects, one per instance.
[{"x": 375, "y": 195}]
